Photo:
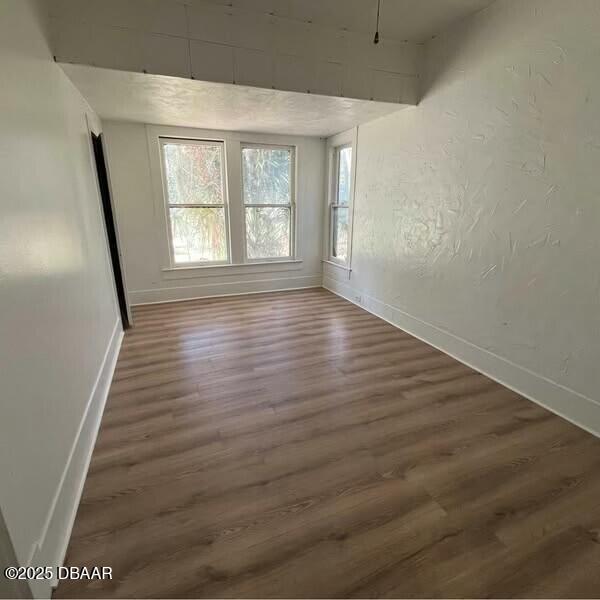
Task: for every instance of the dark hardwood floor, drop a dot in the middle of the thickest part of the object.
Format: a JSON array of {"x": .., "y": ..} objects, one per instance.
[{"x": 293, "y": 445}]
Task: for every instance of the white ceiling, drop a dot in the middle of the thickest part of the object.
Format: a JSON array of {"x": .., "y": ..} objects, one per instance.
[
  {"x": 414, "y": 20},
  {"x": 162, "y": 100}
]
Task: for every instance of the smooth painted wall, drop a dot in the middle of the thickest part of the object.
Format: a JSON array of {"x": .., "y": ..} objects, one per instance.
[
  {"x": 478, "y": 211},
  {"x": 142, "y": 231},
  {"x": 233, "y": 44},
  {"x": 57, "y": 303}
]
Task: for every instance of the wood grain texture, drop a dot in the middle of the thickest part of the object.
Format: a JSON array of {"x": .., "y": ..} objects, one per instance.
[{"x": 293, "y": 445}]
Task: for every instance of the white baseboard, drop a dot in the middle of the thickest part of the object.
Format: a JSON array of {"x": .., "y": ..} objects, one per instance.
[
  {"x": 52, "y": 546},
  {"x": 565, "y": 402},
  {"x": 230, "y": 288}
]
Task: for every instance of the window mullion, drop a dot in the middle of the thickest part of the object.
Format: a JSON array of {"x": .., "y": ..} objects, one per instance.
[
  {"x": 236, "y": 202},
  {"x": 196, "y": 205},
  {"x": 268, "y": 205}
]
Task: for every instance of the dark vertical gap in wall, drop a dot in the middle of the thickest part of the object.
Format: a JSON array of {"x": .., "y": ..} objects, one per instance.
[{"x": 111, "y": 231}]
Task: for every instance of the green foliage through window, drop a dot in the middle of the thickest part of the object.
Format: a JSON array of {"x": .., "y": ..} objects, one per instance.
[
  {"x": 198, "y": 234},
  {"x": 267, "y": 232},
  {"x": 341, "y": 202},
  {"x": 344, "y": 170},
  {"x": 267, "y": 193},
  {"x": 193, "y": 173},
  {"x": 194, "y": 186},
  {"x": 266, "y": 175}
]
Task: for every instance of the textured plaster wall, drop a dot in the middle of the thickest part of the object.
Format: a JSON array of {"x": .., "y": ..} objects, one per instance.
[
  {"x": 479, "y": 211},
  {"x": 231, "y": 44}
]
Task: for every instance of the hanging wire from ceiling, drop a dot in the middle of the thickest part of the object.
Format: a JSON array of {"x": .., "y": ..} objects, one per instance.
[{"x": 376, "y": 38}]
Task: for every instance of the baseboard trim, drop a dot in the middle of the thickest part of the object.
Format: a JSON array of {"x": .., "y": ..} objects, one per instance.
[
  {"x": 218, "y": 290},
  {"x": 52, "y": 545},
  {"x": 563, "y": 401}
]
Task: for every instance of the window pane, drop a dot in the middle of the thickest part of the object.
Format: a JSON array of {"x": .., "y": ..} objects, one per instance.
[
  {"x": 193, "y": 173},
  {"x": 266, "y": 175},
  {"x": 267, "y": 232},
  {"x": 340, "y": 234},
  {"x": 198, "y": 234},
  {"x": 344, "y": 173}
]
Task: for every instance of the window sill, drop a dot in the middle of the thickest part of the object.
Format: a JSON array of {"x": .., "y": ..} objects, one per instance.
[
  {"x": 336, "y": 264},
  {"x": 193, "y": 272}
]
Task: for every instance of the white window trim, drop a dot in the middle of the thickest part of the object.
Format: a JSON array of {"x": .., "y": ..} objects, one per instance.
[
  {"x": 292, "y": 205},
  {"x": 233, "y": 188},
  {"x": 168, "y": 205},
  {"x": 254, "y": 268},
  {"x": 336, "y": 264},
  {"x": 345, "y": 139},
  {"x": 334, "y": 203}
]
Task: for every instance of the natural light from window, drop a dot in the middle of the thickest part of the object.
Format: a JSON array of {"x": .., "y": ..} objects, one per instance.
[
  {"x": 196, "y": 201},
  {"x": 340, "y": 207},
  {"x": 267, "y": 182}
]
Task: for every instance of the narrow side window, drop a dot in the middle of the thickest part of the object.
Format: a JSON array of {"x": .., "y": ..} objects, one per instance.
[{"x": 339, "y": 216}]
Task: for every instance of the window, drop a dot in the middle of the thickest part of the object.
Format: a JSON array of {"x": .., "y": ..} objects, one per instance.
[
  {"x": 222, "y": 201},
  {"x": 268, "y": 192},
  {"x": 196, "y": 202},
  {"x": 340, "y": 204}
]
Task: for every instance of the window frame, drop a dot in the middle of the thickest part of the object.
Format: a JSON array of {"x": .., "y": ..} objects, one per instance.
[
  {"x": 334, "y": 201},
  {"x": 186, "y": 141},
  {"x": 157, "y": 227},
  {"x": 292, "y": 204}
]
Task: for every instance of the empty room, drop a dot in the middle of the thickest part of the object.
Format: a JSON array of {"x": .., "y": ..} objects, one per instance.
[{"x": 299, "y": 299}]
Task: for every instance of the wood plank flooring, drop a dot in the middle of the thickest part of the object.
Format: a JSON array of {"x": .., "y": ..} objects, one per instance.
[{"x": 292, "y": 445}]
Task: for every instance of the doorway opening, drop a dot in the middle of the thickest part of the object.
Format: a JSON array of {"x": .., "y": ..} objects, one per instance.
[{"x": 111, "y": 229}]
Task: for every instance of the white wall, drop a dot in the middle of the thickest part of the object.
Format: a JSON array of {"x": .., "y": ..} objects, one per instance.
[
  {"x": 477, "y": 213},
  {"x": 57, "y": 307},
  {"x": 196, "y": 38},
  {"x": 139, "y": 206}
]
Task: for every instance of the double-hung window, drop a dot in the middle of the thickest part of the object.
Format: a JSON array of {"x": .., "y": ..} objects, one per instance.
[
  {"x": 205, "y": 181},
  {"x": 196, "y": 201},
  {"x": 268, "y": 198},
  {"x": 339, "y": 207}
]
